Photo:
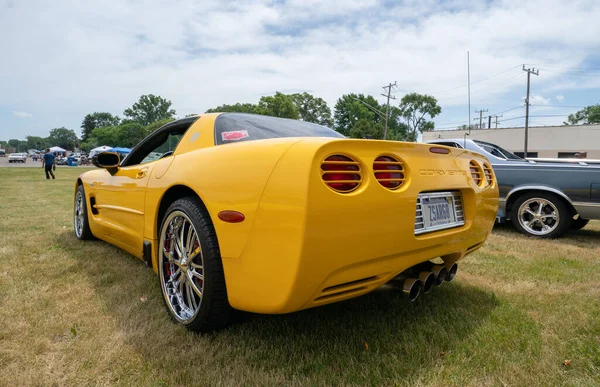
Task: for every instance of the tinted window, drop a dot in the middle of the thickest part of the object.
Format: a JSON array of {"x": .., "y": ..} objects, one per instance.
[
  {"x": 236, "y": 127},
  {"x": 497, "y": 151}
]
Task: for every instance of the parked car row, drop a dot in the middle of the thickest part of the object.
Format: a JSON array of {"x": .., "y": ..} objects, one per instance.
[{"x": 542, "y": 198}]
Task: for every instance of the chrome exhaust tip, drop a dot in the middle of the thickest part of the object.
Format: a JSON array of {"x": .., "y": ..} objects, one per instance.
[
  {"x": 440, "y": 272},
  {"x": 427, "y": 279},
  {"x": 452, "y": 269},
  {"x": 411, "y": 287}
]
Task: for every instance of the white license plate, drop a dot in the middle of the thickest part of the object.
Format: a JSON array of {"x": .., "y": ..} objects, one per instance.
[{"x": 438, "y": 211}]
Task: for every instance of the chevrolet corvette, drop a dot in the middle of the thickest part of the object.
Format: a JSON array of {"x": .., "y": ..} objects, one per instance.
[{"x": 270, "y": 215}]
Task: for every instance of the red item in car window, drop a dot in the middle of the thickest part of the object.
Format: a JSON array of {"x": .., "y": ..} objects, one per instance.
[{"x": 234, "y": 135}]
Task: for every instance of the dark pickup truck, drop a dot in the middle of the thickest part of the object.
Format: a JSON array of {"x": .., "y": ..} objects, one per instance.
[{"x": 543, "y": 198}]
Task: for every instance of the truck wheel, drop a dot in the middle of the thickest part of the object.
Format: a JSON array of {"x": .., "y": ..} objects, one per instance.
[
  {"x": 579, "y": 223},
  {"x": 541, "y": 214}
]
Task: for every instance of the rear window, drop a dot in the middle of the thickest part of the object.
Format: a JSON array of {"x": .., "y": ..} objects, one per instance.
[{"x": 236, "y": 127}]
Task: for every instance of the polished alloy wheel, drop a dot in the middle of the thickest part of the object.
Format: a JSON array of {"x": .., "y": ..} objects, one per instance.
[
  {"x": 538, "y": 216},
  {"x": 181, "y": 266},
  {"x": 79, "y": 219}
]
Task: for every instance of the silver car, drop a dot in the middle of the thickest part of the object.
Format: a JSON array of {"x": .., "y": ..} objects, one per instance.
[
  {"x": 541, "y": 198},
  {"x": 17, "y": 158}
]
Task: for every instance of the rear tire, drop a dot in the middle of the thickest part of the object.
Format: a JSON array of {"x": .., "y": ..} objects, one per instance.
[
  {"x": 190, "y": 271},
  {"x": 579, "y": 223},
  {"x": 541, "y": 214}
]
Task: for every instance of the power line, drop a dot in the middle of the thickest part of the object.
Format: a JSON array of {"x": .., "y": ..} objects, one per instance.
[
  {"x": 563, "y": 67},
  {"x": 560, "y": 106},
  {"x": 484, "y": 88},
  {"x": 474, "y": 82}
]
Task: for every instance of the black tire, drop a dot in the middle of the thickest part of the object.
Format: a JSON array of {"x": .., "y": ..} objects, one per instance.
[
  {"x": 553, "y": 204},
  {"x": 579, "y": 223},
  {"x": 213, "y": 311},
  {"x": 83, "y": 232}
]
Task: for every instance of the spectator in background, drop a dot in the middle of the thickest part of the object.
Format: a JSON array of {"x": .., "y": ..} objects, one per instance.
[{"x": 48, "y": 161}]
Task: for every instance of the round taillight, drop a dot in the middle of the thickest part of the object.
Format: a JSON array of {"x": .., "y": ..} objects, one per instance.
[
  {"x": 341, "y": 173},
  {"x": 389, "y": 171},
  {"x": 476, "y": 173},
  {"x": 489, "y": 173}
]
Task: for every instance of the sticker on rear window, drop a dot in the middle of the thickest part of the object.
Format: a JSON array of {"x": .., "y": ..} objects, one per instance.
[{"x": 234, "y": 135}]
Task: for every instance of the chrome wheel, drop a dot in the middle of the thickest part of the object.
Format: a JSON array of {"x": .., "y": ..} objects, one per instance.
[
  {"x": 78, "y": 216},
  {"x": 538, "y": 216},
  {"x": 181, "y": 266}
]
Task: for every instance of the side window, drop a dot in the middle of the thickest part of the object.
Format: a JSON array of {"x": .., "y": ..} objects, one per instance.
[{"x": 166, "y": 148}]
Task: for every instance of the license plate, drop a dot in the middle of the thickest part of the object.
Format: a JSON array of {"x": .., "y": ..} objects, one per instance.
[{"x": 438, "y": 211}]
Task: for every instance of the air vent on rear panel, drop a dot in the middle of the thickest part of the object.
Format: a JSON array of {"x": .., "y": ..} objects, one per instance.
[
  {"x": 389, "y": 171},
  {"x": 489, "y": 173},
  {"x": 476, "y": 172},
  {"x": 341, "y": 173}
]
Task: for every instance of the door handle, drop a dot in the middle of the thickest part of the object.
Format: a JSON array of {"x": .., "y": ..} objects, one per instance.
[{"x": 141, "y": 174}]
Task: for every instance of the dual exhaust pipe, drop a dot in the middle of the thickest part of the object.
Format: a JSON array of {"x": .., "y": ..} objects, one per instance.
[{"x": 429, "y": 275}]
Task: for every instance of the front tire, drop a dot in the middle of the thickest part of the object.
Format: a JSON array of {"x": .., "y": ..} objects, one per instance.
[
  {"x": 80, "y": 216},
  {"x": 541, "y": 214},
  {"x": 190, "y": 270}
]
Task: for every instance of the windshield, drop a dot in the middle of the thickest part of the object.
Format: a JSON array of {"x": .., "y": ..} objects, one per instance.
[
  {"x": 236, "y": 127},
  {"x": 497, "y": 151}
]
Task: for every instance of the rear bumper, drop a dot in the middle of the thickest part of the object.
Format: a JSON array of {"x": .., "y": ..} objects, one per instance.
[{"x": 286, "y": 268}]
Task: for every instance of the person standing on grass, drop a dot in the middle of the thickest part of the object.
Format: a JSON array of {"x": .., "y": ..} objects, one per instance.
[{"x": 48, "y": 163}]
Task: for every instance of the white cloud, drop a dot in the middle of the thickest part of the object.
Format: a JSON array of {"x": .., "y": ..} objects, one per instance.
[
  {"x": 560, "y": 98},
  {"x": 536, "y": 99},
  {"x": 21, "y": 114},
  {"x": 101, "y": 56}
]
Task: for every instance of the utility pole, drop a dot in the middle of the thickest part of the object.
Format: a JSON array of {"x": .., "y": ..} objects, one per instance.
[
  {"x": 489, "y": 122},
  {"x": 496, "y": 116},
  {"x": 469, "y": 87},
  {"x": 529, "y": 72},
  {"x": 481, "y": 116},
  {"x": 387, "y": 109}
]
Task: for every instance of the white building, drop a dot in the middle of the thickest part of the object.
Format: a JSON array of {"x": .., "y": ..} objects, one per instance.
[{"x": 544, "y": 141}]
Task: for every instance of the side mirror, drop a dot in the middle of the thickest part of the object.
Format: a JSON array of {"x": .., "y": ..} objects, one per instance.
[{"x": 106, "y": 160}]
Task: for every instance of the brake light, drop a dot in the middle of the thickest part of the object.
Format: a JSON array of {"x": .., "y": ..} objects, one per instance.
[
  {"x": 341, "y": 173},
  {"x": 476, "y": 172},
  {"x": 489, "y": 174},
  {"x": 389, "y": 171}
]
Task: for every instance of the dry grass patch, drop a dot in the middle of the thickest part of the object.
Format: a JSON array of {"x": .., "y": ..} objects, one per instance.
[{"x": 77, "y": 313}]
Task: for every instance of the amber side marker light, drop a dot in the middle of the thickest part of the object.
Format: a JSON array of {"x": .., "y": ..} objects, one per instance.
[
  {"x": 441, "y": 151},
  {"x": 231, "y": 216}
]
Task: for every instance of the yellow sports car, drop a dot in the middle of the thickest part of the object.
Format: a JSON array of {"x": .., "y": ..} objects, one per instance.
[{"x": 271, "y": 215}]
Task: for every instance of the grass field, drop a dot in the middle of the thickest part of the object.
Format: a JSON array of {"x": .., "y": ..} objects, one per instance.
[{"x": 75, "y": 313}]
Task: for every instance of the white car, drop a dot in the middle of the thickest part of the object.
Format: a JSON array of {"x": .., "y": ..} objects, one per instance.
[{"x": 17, "y": 158}]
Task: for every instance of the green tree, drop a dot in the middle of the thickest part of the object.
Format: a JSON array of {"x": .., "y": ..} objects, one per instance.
[
  {"x": 105, "y": 136},
  {"x": 13, "y": 143},
  {"x": 35, "y": 142},
  {"x": 415, "y": 108},
  {"x": 351, "y": 108},
  {"x": 63, "y": 137},
  {"x": 365, "y": 128},
  {"x": 150, "y": 108},
  {"x": 155, "y": 125},
  {"x": 312, "y": 109},
  {"x": 237, "y": 108},
  {"x": 278, "y": 105},
  {"x": 466, "y": 127},
  {"x": 130, "y": 134},
  {"x": 3, "y": 144},
  {"x": 97, "y": 120},
  {"x": 588, "y": 115}
]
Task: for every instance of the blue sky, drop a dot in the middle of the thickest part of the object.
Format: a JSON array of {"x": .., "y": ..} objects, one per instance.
[{"x": 64, "y": 59}]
